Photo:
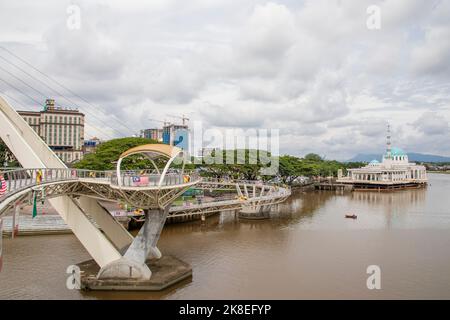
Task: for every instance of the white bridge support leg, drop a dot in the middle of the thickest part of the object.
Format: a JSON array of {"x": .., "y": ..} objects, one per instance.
[
  {"x": 246, "y": 191},
  {"x": 113, "y": 229},
  {"x": 238, "y": 190},
  {"x": 90, "y": 237},
  {"x": 132, "y": 264},
  {"x": 257, "y": 210},
  {"x": 32, "y": 152}
]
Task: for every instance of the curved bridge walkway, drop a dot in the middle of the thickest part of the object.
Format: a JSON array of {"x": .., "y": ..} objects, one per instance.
[
  {"x": 138, "y": 188},
  {"x": 250, "y": 195}
]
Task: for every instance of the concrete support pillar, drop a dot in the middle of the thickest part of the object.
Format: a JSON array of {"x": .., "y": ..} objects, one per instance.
[
  {"x": 133, "y": 264},
  {"x": 144, "y": 245}
]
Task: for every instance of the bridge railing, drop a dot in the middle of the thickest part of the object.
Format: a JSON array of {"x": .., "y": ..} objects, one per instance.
[
  {"x": 92, "y": 174},
  {"x": 248, "y": 182},
  {"x": 18, "y": 179},
  {"x": 139, "y": 178},
  {"x": 229, "y": 180}
]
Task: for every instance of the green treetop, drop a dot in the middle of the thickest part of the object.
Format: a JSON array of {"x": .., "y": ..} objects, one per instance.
[{"x": 107, "y": 153}]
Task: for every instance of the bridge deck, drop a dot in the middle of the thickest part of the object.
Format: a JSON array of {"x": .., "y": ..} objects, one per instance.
[{"x": 103, "y": 185}]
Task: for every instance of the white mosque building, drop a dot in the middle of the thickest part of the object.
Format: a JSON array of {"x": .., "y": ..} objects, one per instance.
[{"x": 393, "y": 172}]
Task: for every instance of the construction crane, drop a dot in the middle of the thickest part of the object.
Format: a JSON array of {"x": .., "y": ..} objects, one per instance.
[
  {"x": 184, "y": 118},
  {"x": 165, "y": 122}
]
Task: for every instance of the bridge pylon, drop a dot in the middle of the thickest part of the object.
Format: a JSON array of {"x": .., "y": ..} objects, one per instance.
[
  {"x": 74, "y": 194},
  {"x": 32, "y": 152}
]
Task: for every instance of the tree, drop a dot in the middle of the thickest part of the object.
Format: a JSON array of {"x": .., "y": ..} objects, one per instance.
[
  {"x": 350, "y": 165},
  {"x": 290, "y": 169},
  {"x": 108, "y": 153},
  {"x": 311, "y": 165},
  {"x": 245, "y": 164},
  {"x": 313, "y": 157},
  {"x": 3, "y": 152},
  {"x": 308, "y": 168},
  {"x": 7, "y": 156}
]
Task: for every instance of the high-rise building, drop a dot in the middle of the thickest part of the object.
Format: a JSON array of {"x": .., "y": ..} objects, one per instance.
[
  {"x": 91, "y": 145},
  {"x": 155, "y": 134},
  {"x": 176, "y": 135},
  {"x": 62, "y": 129}
]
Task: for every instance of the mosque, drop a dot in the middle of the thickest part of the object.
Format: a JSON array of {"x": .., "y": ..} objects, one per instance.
[{"x": 393, "y": 172}]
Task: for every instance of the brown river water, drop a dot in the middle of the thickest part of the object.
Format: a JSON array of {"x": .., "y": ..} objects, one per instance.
[{"x": 307, "y": 250}]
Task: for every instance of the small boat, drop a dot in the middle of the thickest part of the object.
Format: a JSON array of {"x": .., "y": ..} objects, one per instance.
[{"x": 351, "y": 216}]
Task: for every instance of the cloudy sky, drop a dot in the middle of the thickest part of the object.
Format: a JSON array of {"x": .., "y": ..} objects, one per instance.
[{"x": 312, "y": 68}]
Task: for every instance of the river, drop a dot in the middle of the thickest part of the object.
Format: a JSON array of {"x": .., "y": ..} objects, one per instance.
[{"x": 307, "y": 250}]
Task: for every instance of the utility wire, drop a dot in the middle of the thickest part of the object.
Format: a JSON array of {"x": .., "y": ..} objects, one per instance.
[
  {"x": 31, "y": 98},
  {"x": 17, "y": 78},
  {"x": 61, "y": 95},
  {"x": 39, "y": 93},
  {"x": 43, "y": 94},
  {"x": 17, "y": 89},
  {"x": 12, "y": 98},
  {"x": 58, "y": 83}
]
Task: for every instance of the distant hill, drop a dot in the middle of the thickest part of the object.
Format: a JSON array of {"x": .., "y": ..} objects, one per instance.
[{"x": 412, "y": 156}]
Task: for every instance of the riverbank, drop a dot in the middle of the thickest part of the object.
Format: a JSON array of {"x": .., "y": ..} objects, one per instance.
[{"x": 40, "y": 225}]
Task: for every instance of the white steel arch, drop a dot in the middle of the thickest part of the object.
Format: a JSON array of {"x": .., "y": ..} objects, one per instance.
[{"x": 152, "y": 151}]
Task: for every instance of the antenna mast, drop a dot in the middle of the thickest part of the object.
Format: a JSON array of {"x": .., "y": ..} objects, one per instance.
[{"x": 388, "y": 142}]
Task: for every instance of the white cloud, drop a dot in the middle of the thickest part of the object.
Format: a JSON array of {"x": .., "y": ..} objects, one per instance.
[
  {"x": 268, "y": 34},
  {"x": 310, "y": 68},
  {"x": 433, "y": 54},
  {"x": 432, "y": 123},
  {"x": 84, "y": 53}
]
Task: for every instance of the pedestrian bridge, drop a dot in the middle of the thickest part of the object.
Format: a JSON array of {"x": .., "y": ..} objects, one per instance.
[
  {"x": 138, "y": 188},
  {"x": 141, "y": 189},
  {"x": 74, "y": 194}
]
